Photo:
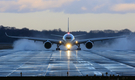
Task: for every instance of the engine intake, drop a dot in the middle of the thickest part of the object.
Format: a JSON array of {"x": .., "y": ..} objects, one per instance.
[
  {"x": 89, "y": 44},
  {"x": 47, "y": 44}
]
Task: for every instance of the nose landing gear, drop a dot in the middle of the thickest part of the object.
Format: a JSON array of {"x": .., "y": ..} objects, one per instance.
[
  {"x": 58, "y": 47},
  {"x": 78, "y": 47},
  {"x": 68, "y": 49}
]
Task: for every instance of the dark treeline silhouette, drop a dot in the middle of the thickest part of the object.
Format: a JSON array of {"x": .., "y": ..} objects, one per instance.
[{"x": 47, "y": 33}]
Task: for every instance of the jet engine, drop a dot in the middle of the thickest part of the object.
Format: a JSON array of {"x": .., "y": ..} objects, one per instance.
[
  {"x": 89, "y": 44},
  {"x": 47, "y": 44}
]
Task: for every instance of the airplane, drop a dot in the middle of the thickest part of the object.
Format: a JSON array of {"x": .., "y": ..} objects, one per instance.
[{"x": 68, "y": 40}]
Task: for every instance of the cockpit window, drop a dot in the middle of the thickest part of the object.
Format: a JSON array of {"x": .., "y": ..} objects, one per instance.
[{"x": 68, "y": 37}]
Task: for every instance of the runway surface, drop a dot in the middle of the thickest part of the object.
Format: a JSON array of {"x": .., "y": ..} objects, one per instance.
[{"x": 58, "y": 63}]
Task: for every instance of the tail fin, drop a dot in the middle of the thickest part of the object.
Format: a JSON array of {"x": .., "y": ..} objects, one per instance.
[{"x": 68, "y": 24}]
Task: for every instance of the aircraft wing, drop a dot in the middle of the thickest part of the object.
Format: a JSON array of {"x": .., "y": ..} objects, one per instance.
[
  {"x": 56, "y": 35},
  {"x": 99, "y": 39},
  {"x": 35, "y": 39},
  {"x": 79, "y": 35}
]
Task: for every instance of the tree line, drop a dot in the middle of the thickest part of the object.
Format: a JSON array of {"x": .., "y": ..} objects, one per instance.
[{"x": 47, "y": 33}]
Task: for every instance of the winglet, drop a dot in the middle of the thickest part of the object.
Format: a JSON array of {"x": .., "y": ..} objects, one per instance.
[{"x": 6, "y": 34}]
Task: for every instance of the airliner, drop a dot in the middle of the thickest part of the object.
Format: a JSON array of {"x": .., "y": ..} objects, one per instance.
[{"x": 68, "y": 40}]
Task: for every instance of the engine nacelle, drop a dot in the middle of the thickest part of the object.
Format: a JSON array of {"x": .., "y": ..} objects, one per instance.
[
  {"x": 47, "y": 44},
  {"x": 89, "y": 44}
]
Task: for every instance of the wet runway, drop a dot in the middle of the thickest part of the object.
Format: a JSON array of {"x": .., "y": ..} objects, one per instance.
[{"x": 58, "y": 63}]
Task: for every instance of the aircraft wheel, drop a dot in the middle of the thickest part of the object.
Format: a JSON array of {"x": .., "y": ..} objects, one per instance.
[
  {"x": 57, "y": 48},
  {"x": 78, "y": 48},
  {"x": 68, "y": 49}
]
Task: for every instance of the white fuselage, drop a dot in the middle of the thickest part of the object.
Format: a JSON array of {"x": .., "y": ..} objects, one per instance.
[{"x": 68, "y": 40}]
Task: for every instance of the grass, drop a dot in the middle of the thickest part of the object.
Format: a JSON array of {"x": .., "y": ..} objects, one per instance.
[{"x": 6, "y": 46}]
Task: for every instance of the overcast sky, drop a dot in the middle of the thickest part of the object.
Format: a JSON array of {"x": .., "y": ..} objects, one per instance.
[{"x": 84, "y": 15}]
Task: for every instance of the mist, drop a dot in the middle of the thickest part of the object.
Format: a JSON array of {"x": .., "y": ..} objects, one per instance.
[
  {"x": 127, "y": 43},
  {"x": 24, "y": 44}
]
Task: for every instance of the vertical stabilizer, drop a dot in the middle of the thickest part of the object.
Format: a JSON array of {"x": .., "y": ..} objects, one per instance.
[{"x": 68, "y": 24}]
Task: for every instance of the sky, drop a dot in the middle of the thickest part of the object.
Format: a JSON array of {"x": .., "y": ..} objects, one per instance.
[{"x": 84, "y": 15}]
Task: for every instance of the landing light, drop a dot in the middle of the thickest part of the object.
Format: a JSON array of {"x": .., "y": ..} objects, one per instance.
[
  {"x": 68, "y": 46},
  {"x": 60, "y": 42},
  {"x": 76, "y": 42}
]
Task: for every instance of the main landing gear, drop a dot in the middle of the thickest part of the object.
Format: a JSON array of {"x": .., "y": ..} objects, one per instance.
[
  {"x": 58, "y": 47},
  {"x": 78, "y": 47}
]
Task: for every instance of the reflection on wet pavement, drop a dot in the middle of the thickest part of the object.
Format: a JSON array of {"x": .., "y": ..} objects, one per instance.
[{"x": 58, "y": 63}]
